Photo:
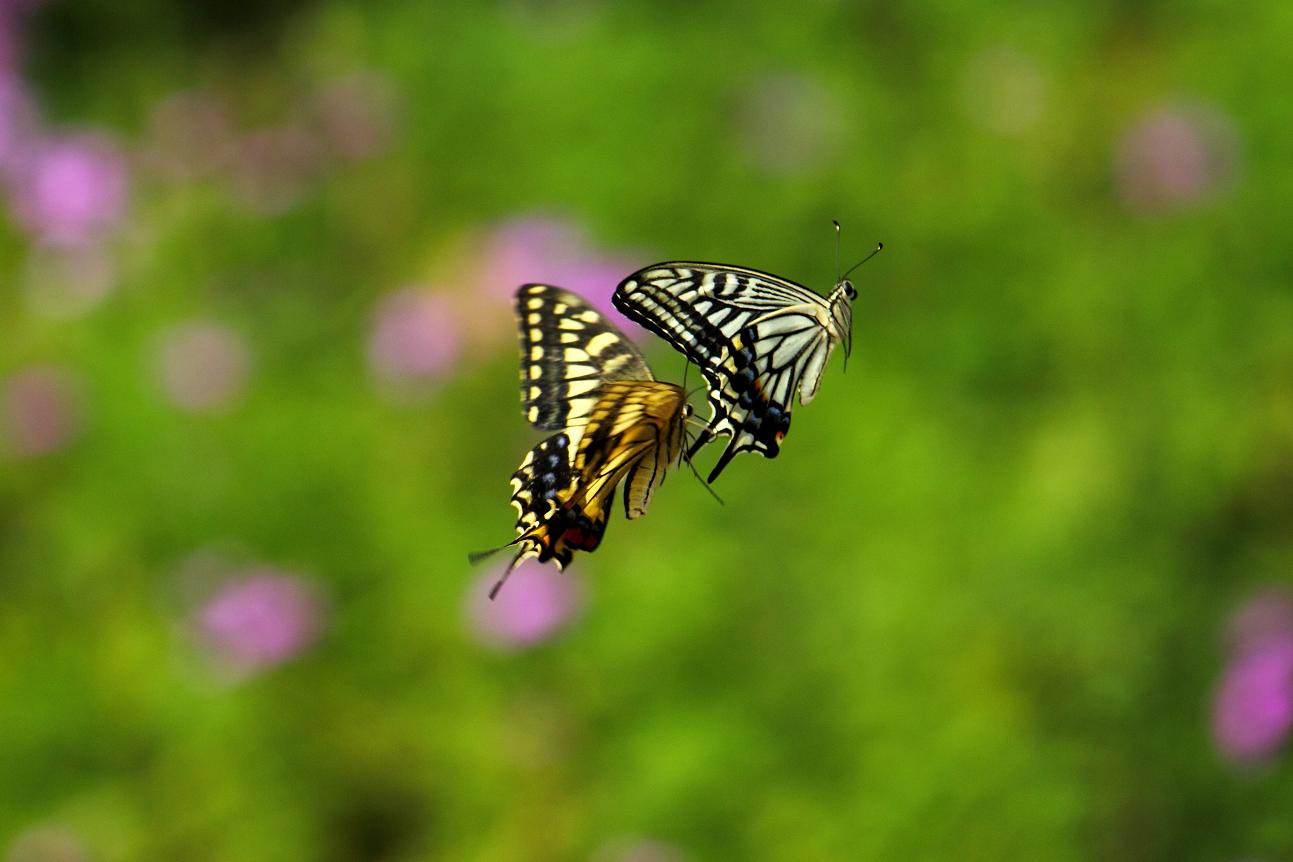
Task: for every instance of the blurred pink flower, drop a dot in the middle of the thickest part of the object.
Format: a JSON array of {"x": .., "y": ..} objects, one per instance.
[
  {"x": 356, "y": 115},
  {"x": 1253, "y": 709},
  {"x": 1253, "y": 706},
  {"x": 189, "y": 137},
  {"x": 552, "y": 252},
  {"x": 41, "y": 410},
  {"x": 66, "y": 282},
  {"x": 536, "y": 602},
  {"x": 47, "y": 844},
  {"x": 1176, "y": 156},
  {"x": 788, "y": 123},
  {"x": 202, "y": 365},
  {"x": 262, "y": 617},
  {"x": 272, "y": 167},
  {"x": 1004, "y": 90},
  {"x": 414, "y": 337},
  {"x": 71, "y": 190}
]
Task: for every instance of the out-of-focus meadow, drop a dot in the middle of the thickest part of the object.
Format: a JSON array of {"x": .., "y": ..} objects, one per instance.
[{"x": 1015, "y": 588}]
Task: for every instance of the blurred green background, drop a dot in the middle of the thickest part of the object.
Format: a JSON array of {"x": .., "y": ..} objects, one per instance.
[{"x": 1013, "y": 590}]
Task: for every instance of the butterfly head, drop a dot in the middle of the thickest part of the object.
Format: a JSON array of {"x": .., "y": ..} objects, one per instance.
[
  {"x": 841, "y": 303},
  {"x": 841, "y": 300}
]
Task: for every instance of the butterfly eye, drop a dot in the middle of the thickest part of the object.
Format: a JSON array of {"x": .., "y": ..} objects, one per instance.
[{"x": 849, "y": 290}]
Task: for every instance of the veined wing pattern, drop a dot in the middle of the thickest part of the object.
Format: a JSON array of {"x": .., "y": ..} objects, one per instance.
[
  {"x": 757, "y": 338},
  {"x": 581, "y": 375}
]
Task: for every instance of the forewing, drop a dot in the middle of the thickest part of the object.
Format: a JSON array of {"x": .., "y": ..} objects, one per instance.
[
  {"x": 756, "y": 338},
  {"x": 568, "y": 350}
]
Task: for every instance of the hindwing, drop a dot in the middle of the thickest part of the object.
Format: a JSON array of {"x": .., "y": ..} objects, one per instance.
[{"x": 543, "y": 479}]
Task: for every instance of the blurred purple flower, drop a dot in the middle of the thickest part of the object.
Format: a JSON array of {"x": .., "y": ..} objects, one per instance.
[
  {"x": 66, "y": 282},
  {"x": 262, "y": 617},
  {"x": 71, "y": 190},
  {"x": 1253, "y": 709},
  {"x": 552, "y": 252},
  {"x": 536, "y": 602},
  {"x": 202, "y": 365},
  {"x": 1004, "y": 90},
  {"x": 47, "y": 844},
  {"x": 189, "y": 137},
  {"x": 1176, "y": 156},
  {"x": 41, "y": 410},
  {"x": 356, "y": 115},
  {"x": 414, "y": 337},
  {"x": 788, "y": 123},
  {"x": 273, "y": 165}
]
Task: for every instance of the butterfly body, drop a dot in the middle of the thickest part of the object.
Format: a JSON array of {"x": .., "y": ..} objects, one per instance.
[
  {"x": 615, "y": 424},
  {"x": 760, "y": 341}
]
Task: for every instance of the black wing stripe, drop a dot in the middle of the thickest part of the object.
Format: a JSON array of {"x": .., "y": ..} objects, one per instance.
[
  {"x": 706, "y": 311},
  {"x": 567, "y": 350},
  {"x": 580, "y": 374},
  {"x": 543, "y": 478}
]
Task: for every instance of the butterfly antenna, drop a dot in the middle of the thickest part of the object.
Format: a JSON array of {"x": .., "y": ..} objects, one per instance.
[
  {"x": 837, "y": 251},
  {"x": 686, "y": 456},
  {"x": 690, "y": 392},
  {"x": 879, "y": 247}
]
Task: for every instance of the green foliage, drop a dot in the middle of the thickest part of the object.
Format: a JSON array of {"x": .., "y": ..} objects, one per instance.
[{"x": 975, "y": 610}]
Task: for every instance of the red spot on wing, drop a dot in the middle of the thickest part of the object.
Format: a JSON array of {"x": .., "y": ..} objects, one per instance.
[{"x": 577, "y": 538}]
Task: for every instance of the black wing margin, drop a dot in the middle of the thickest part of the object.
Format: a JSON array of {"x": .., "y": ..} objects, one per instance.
[{"x": 568, "y": 350}]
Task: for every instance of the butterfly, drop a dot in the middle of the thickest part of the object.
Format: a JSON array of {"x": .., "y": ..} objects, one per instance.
[
  {"x": 581, "y": 377},
  {"x": 758, "y": 339}
]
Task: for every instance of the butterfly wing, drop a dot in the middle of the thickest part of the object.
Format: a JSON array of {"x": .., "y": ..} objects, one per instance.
[
  {"x": 757, "y": 338},
  {"x": 568, "y": 350},
  {"x": 634, "y": 433},
  {"x": 544, "y": 478},
  {"x": 563, "y": 501},
  {"x": 581, "y": 375}
]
